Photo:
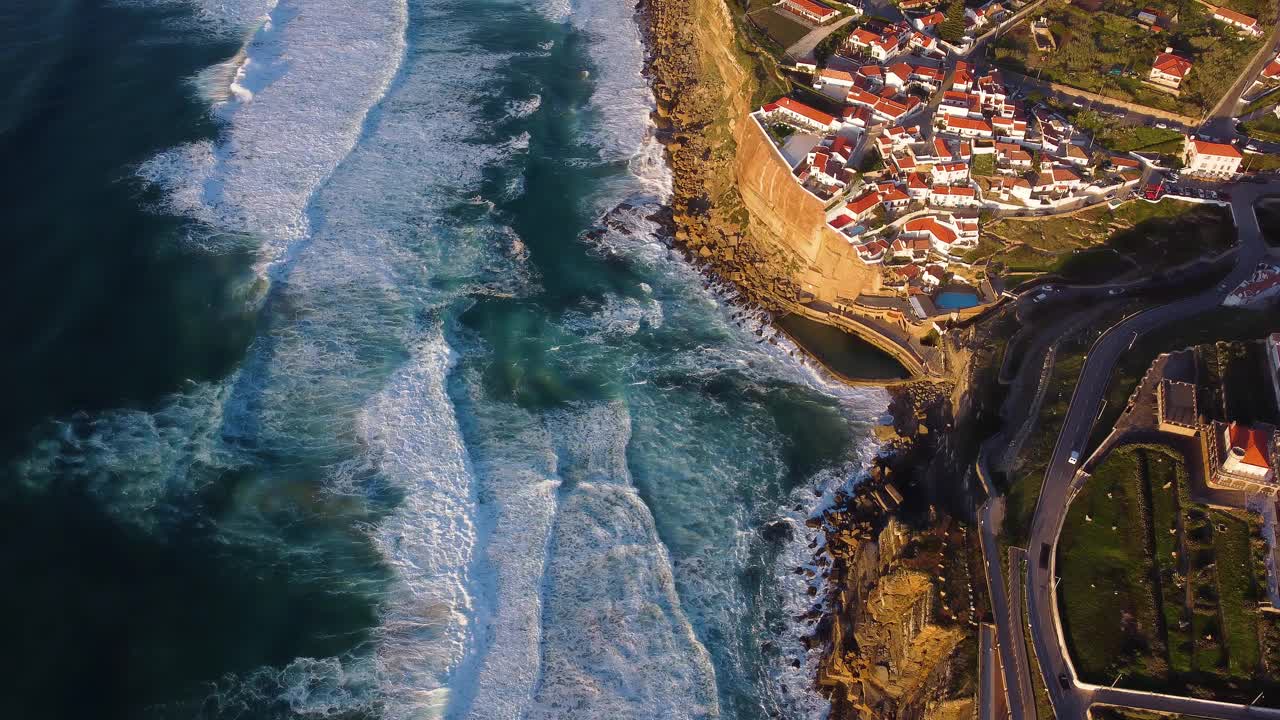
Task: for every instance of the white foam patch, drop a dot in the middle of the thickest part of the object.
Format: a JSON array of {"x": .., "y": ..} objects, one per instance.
[
  {"x": 429, "y": 539},
  {"x": 134, "y": 461},
  {"x": 616, "y": 643},
  {"x": 297, "y": 107},
  {"x": 523, "y": 108}
]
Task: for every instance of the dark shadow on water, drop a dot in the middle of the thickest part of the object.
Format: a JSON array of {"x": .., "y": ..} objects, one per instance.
[{"x": 847, "y": 354}]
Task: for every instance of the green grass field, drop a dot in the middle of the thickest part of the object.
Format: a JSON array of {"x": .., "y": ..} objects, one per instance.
[
  {"x": 1109, "y": 611},
  {"x": 783, "y": 30},
  {"x": 1102, "y": 243},
  {"x": 1093, "y": 44},
  {"x": 1237, "y": 593}
]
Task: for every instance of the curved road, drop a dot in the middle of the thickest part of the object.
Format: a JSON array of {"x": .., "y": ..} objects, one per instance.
[{"x": 1062, "y": 480}]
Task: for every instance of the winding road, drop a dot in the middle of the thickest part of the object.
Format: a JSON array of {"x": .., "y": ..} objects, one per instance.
[{"x": 1072, "y": 698}]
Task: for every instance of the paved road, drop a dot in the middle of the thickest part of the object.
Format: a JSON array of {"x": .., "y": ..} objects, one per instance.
[
  {"x": 987, "y": 672},
  {"x": 1219, "y": 122},
  {"x": 1071, "y": 698},
  {"x": 803, "y": 48},
  {"x": 1016, "y": 680}
]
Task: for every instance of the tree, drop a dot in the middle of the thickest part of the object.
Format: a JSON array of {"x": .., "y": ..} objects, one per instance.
[{"x": 952, "y": 27}]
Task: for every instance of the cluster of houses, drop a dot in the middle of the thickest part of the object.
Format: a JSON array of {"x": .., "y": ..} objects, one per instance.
[{"x": 929, "y": 122}]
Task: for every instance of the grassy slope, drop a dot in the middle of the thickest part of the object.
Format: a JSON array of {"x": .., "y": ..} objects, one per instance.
[
  {"x": 1109, "y": 613},
  {"x": 1137, "y": 234}
]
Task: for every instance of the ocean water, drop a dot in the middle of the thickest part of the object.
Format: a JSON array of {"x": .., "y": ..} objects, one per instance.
[{"x": 356, "y": 379}]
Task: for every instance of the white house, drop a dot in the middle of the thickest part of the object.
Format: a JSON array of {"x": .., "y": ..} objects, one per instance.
[
  {"x": 1056, "y": 179},
  {"x": 1169, "y": 70},
  {"x": 967, "y": 127},
  {"x": 892, "y": 196},
  {"x": 1009, "y": 129},
  {"x": 953, "y": 196},
  {"x": 1012, "y": 187},
  {"x": 794, "y": 112},
  {"x": 950, "y": 172},
  {"x": 834, "y": 78},
  {"x": 1210, "y": 158},
  {"x": 809, "y": 10},
  {"x": 1239, "y": 21}
]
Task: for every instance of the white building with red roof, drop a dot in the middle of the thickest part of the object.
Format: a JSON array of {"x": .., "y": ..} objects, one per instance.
[
  {"x": 1009, "y": 129},
  {"x": 949, "y": 173},
  {"x": 1245, "y": 458},
  {"x": 1169, "y": 70},
  {"x": 1055, "y": 180},
  {"x": 835, "y": 78},
  {"x": 1210, "y": 158},
  {"x": 809, "y": 10},
  {"x": 953, "y": 196},
  {"x": 929, "y": 21},
  {"x": 1239, "y": 21},
  {"x": 967, "y": 127},
  {"x": 794, "y": 112}
]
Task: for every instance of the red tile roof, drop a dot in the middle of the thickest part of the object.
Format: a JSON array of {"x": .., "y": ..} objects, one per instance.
[
  {"x": 864, "y": 203},
  {"x": 1254, "y": 442},
  {"x": 1171, "y": 64},
  {"x": 967, "y": 124},
  {"x": 957, "y": 190},
  {"x": 835, "y": 75},
  {"x": 813, "y": 7},
  {"x": 1235, "y": 17},
  {"x": 801, "y": 109},
  {"x": 931, "y": 226},
  {"x": 1216, "y": 149}
]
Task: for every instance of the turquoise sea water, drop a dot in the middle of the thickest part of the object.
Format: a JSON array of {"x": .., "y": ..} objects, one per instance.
[{"x": 352, "y": 379}]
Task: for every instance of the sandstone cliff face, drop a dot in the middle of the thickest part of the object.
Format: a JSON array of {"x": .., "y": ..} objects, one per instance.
[
  {"x": 785, "y": 216},
  {"x": 735, "y": 205}
]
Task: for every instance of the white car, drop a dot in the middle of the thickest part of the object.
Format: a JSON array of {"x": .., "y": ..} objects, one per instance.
[
  {"x": 1162, "y": 126},
  {"x": 1075, "y": 457}
]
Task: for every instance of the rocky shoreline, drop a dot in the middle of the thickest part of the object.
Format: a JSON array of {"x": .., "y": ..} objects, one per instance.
[{"x": 884, "y": 539}]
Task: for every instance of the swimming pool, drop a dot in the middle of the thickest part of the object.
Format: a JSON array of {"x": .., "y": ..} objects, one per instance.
[{"x": 956, "y": 299}]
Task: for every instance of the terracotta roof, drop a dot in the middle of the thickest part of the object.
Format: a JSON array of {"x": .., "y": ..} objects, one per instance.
[
  {"x": 1171, "y": 64},
  {"x": 901, "y": 69},
  {"x": 952, "y": 167},
  {"x": 1064, "y": 175},
  {"x": 1235, "y": 17},
  {"x": 835, "y": 74},
  {"x": 801, "y": 109},
  {"x": 864, "y": 36},
  {"x": 933, "y": 18},
  {"x": 915, "y": 182},
  {"x": 1272, "y": 70},
  {"x": 1216, "y": 149},
  {"x": 1124, "y": 161},
  {"x": 957, "y": 190},
  {"x": 864, "y": 203},
  {"x": 967, "y": 124},
  {"x": 940, "y": 148},
  {"x": 1253, "y": 442},
  {"x": 933, "y": 227},
  {"x": 841, "y": 145},
  {"x": 893, "y": 194},
  {"x": 840, "y": 221},
  {"x": 813, "y": 7}
]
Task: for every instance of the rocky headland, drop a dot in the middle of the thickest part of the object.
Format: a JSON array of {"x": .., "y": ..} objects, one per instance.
[{"x": 896, "y": 630}]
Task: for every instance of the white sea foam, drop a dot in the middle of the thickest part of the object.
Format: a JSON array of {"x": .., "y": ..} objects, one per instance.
[
  {"x": 616, "y": 642},
  {"x": 524, "y": 108},
  {"x": 312, "y": 72},
  {"x": 416, "y": 445}
]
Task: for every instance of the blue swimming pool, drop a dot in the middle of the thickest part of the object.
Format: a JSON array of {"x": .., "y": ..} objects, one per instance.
[{"x": 956, "y": 300}]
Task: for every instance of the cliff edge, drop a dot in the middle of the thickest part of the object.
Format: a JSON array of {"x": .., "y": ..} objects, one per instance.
[{"x": 735, "y": 205}]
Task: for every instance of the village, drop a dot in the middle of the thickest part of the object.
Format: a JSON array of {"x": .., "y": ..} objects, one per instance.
[{"x": 912, "y": 149}]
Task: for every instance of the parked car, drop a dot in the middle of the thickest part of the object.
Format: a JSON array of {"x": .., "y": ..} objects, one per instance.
[
  {"x": 1162, "y": 126},
  {"x": 1251, "y": 147},
  {"x": 1116, "y": 291}
]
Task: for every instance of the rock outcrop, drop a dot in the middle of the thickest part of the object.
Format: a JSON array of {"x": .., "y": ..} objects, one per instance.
[{"x": 735, "y": 206}]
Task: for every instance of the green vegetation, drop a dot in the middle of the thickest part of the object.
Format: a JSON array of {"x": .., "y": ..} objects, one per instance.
[
  {"x": 984, "y": 165},
  {"x": 1108, "y": 609},
  {"x": 1237, "y": 592},
  {"x": 952, "y": 27},
  {"x": 1119, "y": 137},
  {"x": 1111, "y": 54},
  {"x": 1193, "y": 564},
  {"x": 783, "y": 30},
  {"x": 1266, "y": 128},
  {"x": 1102, "y": 243}
]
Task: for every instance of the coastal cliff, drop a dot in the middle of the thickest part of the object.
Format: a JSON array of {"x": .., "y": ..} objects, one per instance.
[
  {"x": 737, "y": 210},
  {"x": 735, "y": 206}
]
